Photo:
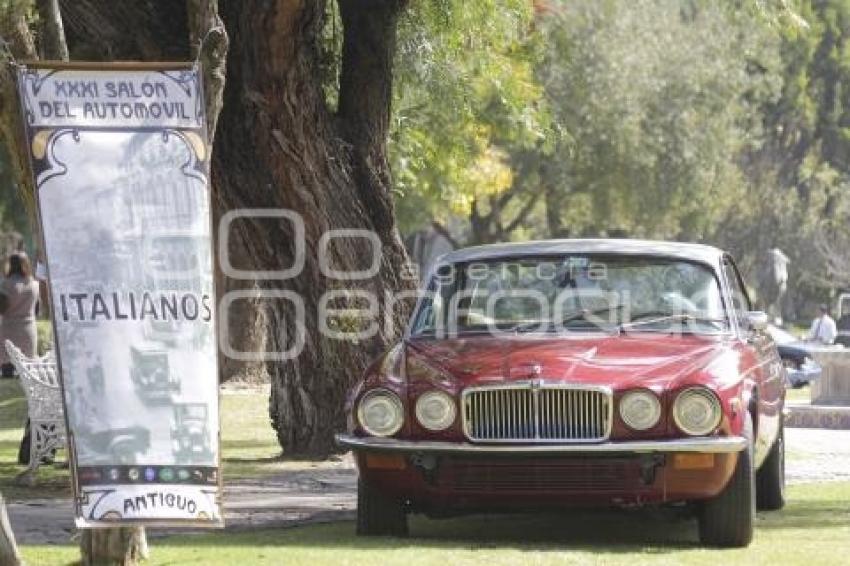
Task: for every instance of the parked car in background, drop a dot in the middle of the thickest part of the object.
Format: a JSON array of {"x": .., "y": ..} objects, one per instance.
[
  {"x": 800, "y": 367},
  {"x": 575, "y": 372}
]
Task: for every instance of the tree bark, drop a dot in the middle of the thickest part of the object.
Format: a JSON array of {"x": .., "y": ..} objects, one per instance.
[
  {"x": 124, "y": 546},
  {"x": 21, "y": 47},
  {"x": 286, "y": 148},
  {"x": 52, "y": 42},
  {"x": 209, "y": 46}
]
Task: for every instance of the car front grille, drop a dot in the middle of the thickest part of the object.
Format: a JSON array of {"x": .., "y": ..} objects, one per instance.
[{"x": 537, "y": 412}]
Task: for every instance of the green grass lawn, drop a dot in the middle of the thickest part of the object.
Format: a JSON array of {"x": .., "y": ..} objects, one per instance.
[
  {"x": 13, "y": 409},
  {"x": 813, "y": 529},
  {"x": 249, "y": 447},
  {"x": 801, "y": 395}
]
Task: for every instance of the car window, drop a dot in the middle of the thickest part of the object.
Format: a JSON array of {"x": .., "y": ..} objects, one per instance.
[{"x": 551, "y": 291}]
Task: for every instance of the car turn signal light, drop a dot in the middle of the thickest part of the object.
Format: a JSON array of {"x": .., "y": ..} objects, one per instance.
[
  {"x": 688, "y": 461},
  {"x": 385, "y": 462}
]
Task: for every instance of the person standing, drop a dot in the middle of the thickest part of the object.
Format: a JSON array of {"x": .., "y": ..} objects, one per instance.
[
  {"x": 18, "y": 303},
  {"x": 823, "y": 328}
]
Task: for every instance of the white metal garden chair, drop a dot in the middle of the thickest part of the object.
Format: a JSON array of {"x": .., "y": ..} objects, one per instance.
[{"x": 39, "y": 379}]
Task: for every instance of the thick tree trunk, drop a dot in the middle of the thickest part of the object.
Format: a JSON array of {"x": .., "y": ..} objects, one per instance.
[{"x": 281, "y": 147}]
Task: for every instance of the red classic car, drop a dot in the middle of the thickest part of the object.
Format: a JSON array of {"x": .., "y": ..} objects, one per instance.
[{"x": 575, "y": 372}]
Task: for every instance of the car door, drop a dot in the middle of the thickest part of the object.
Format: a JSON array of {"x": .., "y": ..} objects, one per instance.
[{"x": 767, "y": 371}]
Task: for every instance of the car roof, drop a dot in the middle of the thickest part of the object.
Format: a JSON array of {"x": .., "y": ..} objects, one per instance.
[{"x": 677, "y": 250}]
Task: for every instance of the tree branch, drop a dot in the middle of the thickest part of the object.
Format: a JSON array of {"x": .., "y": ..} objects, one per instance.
[
  {"x": 19, "y": 40},
  {"x": 444, "y": 232},
  {"x": 365, "y": 81},
  {"x": 207, "y": 34},
  {"x": 53, "y": 44},
  {"x": 365, "y": 97},
  {"x": 523, "y": 212}
]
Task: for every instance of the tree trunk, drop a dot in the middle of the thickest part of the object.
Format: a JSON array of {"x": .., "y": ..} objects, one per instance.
[
  {"x": 554, "y": 200},
  {"x": 123, "y": 546},
  {"x": 21, "y": 45},
  {"x": 282, "y": 147},
  {"x": 8, "y": 549},
  {"x": 52, "y": 44}
]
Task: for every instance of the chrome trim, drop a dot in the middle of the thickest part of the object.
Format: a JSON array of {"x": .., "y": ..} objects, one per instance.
[
  {"x": 538, "y": 410},
  {"x": 706, "y": 444}
]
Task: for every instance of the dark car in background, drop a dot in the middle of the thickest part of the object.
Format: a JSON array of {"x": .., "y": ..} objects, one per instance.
[{"x": 800, "y": 367}]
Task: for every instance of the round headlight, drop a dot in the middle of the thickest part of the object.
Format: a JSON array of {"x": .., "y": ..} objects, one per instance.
[
  {"x": 640, "y": 410},
  {"x": 380, "y": 413},
  {"x": 696, "y": 411},
  {"x": 435, "y": 410}
]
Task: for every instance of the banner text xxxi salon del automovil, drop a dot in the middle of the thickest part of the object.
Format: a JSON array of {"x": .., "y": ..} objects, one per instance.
[{"x": 120, "y": 163}]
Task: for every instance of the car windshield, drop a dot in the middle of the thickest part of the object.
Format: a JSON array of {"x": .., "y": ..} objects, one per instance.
[{"x": 575, "y": 292}]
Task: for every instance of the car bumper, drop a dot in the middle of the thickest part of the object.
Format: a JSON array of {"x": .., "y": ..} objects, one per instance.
[
  {"x": 438, "y": 477},
  {"x": 709, "y": 445}
]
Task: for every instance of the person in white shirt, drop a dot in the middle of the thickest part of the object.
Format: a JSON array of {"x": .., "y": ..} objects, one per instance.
[{"x": 823, "y": 328}]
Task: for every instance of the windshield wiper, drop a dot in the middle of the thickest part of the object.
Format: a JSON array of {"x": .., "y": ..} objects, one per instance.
[
  {"x": 584, "y": 313},
  {"x": 683, "y": 318},
  {"x": 572, "y": 317}
]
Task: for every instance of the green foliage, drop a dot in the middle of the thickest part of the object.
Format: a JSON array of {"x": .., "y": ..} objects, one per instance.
[
  {"x": 694, "y": 120},
  {"x": 658, "y": 101},
  {"x": 44, "y": 336},
  {"x": 464, "y": 90},
  {"x": 799, "y": 176},
  {"x": 13, "y": 213}
]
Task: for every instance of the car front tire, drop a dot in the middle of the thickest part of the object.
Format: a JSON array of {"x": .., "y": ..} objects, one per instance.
[
  {"x": 728, "y": 519},
  {"x": 770, "y": 479},
  {"x": 378, "y": 514}
]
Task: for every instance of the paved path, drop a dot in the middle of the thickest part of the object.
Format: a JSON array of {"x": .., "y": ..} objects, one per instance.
[
  {"x": 817, "y": 455},
  {"x": 327, "y": 491}
]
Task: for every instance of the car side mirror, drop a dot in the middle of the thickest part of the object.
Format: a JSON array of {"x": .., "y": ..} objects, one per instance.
[{"x": 756, "y": 320}]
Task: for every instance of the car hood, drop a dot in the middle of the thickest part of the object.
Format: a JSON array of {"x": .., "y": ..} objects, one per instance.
[{"x": 651, "y": 360}]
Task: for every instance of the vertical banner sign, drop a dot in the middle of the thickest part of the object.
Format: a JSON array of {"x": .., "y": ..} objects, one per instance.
[{"x": 121, "y": 166}]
